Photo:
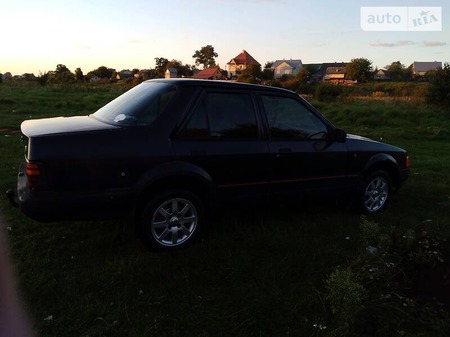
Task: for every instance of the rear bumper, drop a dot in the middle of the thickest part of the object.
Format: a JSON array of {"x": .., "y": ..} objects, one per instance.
[{"x": 48, "y": 206}]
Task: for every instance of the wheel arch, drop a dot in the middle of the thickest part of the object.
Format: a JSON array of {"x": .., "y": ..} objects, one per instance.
[
  {"x": 175, "y": 175},
  {"x": 384, "y": 162}
]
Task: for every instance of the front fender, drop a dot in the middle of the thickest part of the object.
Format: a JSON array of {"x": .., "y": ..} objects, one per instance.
[
  {"x": 385, "y": 162},
  {"x": 380, "y": 158}
]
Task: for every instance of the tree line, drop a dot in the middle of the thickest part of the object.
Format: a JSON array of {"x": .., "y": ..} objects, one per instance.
[
  {"x": 358, "y": 69},
  {"x": 205, "y": 57}
]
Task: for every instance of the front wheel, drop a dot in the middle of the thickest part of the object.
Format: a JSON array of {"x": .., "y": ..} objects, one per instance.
[
  {"x": 171, "y": 220},
  {"x": 375, "y": 191}
]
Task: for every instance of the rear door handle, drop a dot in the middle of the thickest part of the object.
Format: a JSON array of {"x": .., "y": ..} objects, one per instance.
[
  {"x": 285, "y": 150},
  {"x": 198, "y": 153}
]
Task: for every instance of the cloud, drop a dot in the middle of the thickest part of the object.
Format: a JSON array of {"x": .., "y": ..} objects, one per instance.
[
  {"x": 402, "y": 43},
  {"x": 433, "y": 44},
  {"x": 393, "y": 44}
]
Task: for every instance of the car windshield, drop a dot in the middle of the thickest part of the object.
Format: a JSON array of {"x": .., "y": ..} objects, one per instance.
[{"x": 138, "y": 106}]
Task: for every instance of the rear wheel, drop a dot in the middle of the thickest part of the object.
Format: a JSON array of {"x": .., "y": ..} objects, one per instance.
[
  {"x": 171, "y": 220},
  {"x": 375, "y": 191}
]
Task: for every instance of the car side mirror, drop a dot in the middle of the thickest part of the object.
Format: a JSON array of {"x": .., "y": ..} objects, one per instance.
[{"x": 340, "y": 135}]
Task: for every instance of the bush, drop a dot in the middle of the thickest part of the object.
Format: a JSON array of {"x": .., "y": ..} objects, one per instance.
[
  {"x": 345, "y": 295},
  {"x": 274, "y": 83},
  {"x": 328, "y": 92},
  {"x": 439, "y": 88}
]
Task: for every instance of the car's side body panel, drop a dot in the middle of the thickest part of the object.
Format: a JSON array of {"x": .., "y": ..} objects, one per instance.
[{"x": 89, "y": 168}]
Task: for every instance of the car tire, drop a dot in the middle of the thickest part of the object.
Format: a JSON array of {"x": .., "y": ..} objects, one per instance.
[
  {"x": 375, "y": 191},
  {"x": 171, "y": 220}
]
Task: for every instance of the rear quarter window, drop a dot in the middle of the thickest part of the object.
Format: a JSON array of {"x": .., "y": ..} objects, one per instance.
[{"x": 138, "y": 106}]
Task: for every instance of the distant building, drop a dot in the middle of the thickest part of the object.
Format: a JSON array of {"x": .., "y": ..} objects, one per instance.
[
  {"x": 330, "y": 72},
  {"x": 421, "y": 68},
  {"x": 171, "y": 73},
  {"x": 335, "y": 74},
  {"x": 239, "y": 63},
  {"x": 286, "y": 67},
  {"x": 124, "y": 74},
  {"x": 381, "y": 75},
  {"x": 209, "y": 74}
]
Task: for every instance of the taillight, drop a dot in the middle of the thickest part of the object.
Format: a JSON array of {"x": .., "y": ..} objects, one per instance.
[
  {"x": 34, "y": 174},
  {"x": 407, "y": 161},
  {"x": 32, "y": 169}
]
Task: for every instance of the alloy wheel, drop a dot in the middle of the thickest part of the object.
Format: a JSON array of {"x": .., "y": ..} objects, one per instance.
[
  {"x": 174, "y": 222},
  {"x": 376, "y": 194}
]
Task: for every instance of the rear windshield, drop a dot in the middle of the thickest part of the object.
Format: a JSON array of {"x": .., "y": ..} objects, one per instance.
[{"x": 138, "y": 106}]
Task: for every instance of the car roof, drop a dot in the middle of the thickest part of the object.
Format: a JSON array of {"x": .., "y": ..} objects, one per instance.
[{"x": 220, "y": 84}]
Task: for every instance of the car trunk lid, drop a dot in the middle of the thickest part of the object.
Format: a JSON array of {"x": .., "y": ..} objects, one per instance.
[{"x": 56, "y": 125}]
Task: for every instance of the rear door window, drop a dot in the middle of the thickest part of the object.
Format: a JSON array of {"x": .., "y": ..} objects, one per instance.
[{"x": 222, "y": 115}]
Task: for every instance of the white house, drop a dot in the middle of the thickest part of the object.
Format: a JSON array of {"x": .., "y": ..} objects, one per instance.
[
  {"x": 381, "y": 75},
  {"x": 286, "y": 67}
]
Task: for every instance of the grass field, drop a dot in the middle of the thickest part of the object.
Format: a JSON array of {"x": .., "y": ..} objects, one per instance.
[{"x": 297, "y": 269}]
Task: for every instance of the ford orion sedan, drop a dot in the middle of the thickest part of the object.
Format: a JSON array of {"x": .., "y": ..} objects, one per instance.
[{"x": 169, "y": 151}]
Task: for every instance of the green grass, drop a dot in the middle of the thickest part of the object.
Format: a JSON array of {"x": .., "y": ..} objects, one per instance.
[
  {"x": 256, "y": 272},
  {"x": 20, "y": 101}
]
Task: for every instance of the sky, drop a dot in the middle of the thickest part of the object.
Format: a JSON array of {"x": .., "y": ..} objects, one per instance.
[{"x": 35, "y": 36}]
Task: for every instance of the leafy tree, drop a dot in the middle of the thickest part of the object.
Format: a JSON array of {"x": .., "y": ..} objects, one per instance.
[
  {"x": 102, "y": 72},
  {"x": 184, "y": 70},
  {"x": 79, "y": 75},
  {"x": 398, "y": 71},
  {"x": 205, "y": 56},
  {"x": 150, "y": 73},
  {"x": 267, "y": 73},
  {"x": 303, "y": 76},
  {"x": 359, "y": 69},
  {"x": 268, "y": 65},
  {"x": 43, "y": 78},
  {"x": 161, "y": 65},
  {"x": 61, "y": 74},
  {"x": 439, "y": 89},
  {"x": 251, "y": 74},
  {"x": 28, "y": 77}
]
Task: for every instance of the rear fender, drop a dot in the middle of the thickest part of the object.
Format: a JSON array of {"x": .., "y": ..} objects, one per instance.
[{"x": 176, "y": 173}]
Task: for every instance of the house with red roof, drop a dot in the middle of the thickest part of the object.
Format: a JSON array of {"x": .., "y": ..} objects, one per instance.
[
  {"x": 209, "y": 74},
  {"x": 239, "y": 63}
]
